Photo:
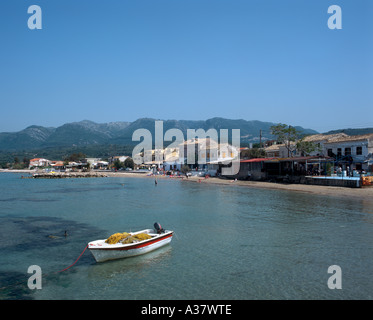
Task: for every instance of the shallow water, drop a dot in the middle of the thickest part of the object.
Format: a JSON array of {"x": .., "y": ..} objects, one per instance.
[{"x": 230, "y": 242}]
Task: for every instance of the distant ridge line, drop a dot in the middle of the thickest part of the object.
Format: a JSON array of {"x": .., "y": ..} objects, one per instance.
[{"x": 87, "y": 132}]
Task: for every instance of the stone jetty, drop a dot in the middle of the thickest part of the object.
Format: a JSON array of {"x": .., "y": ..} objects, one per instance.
[{"x": 59, "y": 175}]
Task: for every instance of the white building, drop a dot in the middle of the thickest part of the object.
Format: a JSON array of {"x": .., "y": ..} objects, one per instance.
[
  {"x": 348, "y": 151},
  {"x": 318, "y": 140},
  {"x": 39, "y": 162},
  {"x": 120, "y": 158},
  {"x": 354, "y": 150},
  {"x": 91, "y": 161}
]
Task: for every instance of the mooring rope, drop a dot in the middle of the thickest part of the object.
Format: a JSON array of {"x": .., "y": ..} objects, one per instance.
[{"x": 75, "y": 260}]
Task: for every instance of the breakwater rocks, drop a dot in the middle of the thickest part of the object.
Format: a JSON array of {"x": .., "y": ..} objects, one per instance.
[{"x": 60, "y": 175}]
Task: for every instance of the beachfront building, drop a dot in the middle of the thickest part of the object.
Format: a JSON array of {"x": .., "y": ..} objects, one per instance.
[
  {"x": 173, "y": 159},
  {"x": 200, "y": 151},
  {"x": 95, "y": 163},
  {"x": 99, "y": 165},
  {"x": 121, "y": 159},
  {"x": 91, "y": 161},
  {"x": 253, "y": 169},
  {"x": 197, "y": 151},
  {"x": 318, "y": 140},
  {"x": 203, "y": 154},
  {"x": 39, "y": 162},
  {"x": 76, "y": 166},
  {"x": 167, "y": 159},
  {"x": 273, "y": 151},
  {"x": 147, "y": 159},
  {"x": 351, "y": 152},
  {"x": 333, "y": 159},
  {"x": 289, "y": 169},
  {"x": 154, "y": 158},
  {"x": 57, "y": 165},
  {"x": 220, "y": 156},
  {"x": 137, "y": 158}
]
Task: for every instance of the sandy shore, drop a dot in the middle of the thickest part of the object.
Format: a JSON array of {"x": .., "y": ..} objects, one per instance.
[{"x": 364, "y": 193}]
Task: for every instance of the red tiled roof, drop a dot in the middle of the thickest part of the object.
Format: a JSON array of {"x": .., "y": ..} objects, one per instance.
[
  {"x": 285, "y": 159},
  {"x": 256, "y": 160}
]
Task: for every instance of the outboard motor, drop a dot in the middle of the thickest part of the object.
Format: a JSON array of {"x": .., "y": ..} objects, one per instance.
[{"x": 158, "y": 228}]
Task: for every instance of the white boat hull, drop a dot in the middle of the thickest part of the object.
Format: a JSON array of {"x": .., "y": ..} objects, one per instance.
[{"x": 102, "y": 251}]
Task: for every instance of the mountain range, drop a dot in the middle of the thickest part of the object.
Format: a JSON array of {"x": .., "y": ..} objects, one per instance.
[{"x": 87, "y": 133}]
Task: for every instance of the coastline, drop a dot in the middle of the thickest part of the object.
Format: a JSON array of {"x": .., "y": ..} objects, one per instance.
[{"x": 364, "y": 193}]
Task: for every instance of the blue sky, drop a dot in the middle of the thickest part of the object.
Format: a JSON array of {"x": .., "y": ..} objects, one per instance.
[{"x": 187, "y": 59}]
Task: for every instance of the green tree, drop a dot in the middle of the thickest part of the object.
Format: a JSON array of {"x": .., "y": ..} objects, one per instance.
[
  {"x": 26, "y": 161},
  {"x": 286, "y": 134},
  {"x": 129, "y": 163},
  {"x": 75, "y": 157},
  {"x": 88, "y": 166},
  {"x": 117, "y": 164},
  {"x": 19, "y": 165},
  {"x": 307, "y": 147}
]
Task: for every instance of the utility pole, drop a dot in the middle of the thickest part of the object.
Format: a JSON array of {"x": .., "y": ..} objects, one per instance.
[
  {"x": 289, "y": 142},
  {"x": 260, "y": 139}
]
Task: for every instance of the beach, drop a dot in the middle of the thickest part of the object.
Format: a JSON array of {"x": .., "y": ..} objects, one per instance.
[{"x": 364, "y": 193}]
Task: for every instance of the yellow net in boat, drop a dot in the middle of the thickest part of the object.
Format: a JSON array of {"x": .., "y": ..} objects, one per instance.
[
  {"x": 142, "y": 236},
  {"x": 136, "y": 237},
  {"x": 126, "y": 238},
  {"x": 116, "y": 237}
]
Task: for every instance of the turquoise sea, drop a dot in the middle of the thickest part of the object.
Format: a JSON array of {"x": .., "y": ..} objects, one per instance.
[{"x": 231, "y": 242}]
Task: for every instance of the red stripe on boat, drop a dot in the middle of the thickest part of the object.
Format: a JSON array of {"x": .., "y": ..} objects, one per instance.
[{"x": 136, "y": 246}]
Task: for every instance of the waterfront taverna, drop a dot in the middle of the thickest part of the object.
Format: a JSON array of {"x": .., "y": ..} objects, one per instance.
[{"x": 338, "y": 160}]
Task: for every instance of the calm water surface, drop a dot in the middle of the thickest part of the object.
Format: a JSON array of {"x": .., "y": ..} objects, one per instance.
[{"x": 230, "y": 242}]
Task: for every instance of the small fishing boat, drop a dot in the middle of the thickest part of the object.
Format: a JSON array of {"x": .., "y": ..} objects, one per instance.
[{"x": 142, "y": 241}]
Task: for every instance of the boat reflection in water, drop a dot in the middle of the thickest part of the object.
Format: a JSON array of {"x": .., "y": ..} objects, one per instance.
[{"x": 134, "y": 268}]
